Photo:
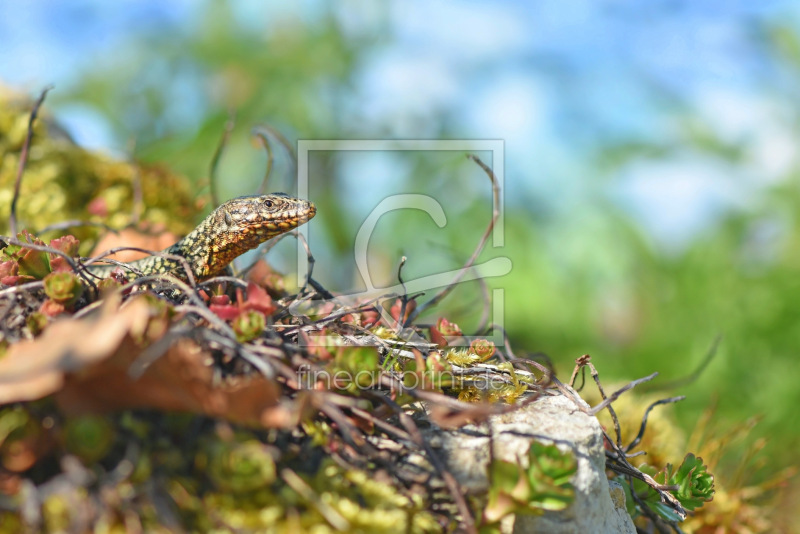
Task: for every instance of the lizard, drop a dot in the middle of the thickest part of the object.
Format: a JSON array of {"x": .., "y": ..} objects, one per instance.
[{"x": 236, "y": 226}]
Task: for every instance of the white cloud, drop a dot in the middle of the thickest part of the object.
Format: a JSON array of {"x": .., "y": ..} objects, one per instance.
[{"x": 675, "y": 200}]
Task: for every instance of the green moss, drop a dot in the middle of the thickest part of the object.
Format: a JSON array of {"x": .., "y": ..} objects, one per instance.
[{"x": 65, "y": 182}]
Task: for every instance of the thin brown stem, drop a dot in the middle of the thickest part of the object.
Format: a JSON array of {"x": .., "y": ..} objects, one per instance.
[
  {"x": 223, "y": 141},
  {"x": 23, "y": 159},
  {"x": 481, "y": 244},
  {"x": 264, "y": 132}
]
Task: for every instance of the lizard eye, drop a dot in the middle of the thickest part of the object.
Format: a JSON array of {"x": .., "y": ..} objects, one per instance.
[
  {"x": 268, "y": 203},
  {"x": 228, "y": 219}
]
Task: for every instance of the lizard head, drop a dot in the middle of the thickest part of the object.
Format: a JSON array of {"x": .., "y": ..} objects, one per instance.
[
  {"x": 243, "y": 223},
  {"x": 264, "y": 216}
]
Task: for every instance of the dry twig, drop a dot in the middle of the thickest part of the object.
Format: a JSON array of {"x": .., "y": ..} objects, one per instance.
[
  {"x": 481, "y": 244},
  {"x": 230, "y": 123},
  {"x": 23, "y": 159}
]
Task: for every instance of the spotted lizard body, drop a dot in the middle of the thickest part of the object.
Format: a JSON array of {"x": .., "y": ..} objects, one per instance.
[{"x": 236, "y": 226}]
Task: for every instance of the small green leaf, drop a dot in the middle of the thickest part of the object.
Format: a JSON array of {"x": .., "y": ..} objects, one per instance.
[
  {"x": 544, "y": 485},
  {"x": 241, "y": 467},
  {"x": 509, "y": 491},
  {"x": 664, "y": 510},
  {"x": 11, "y": 419},
  {"x": 31, "y": 262},
  {"x": 89, "y": 437},
  {"x": 504, "y": 475},
  {"x": 249, "y": 325},
  {"x": 548, "y": 462},
  {"x": 64, "y": 288},
  {"x": 34, "y": 263},
  {"x": 36, "y": 322},
  {"x": 696, "y": 484}
]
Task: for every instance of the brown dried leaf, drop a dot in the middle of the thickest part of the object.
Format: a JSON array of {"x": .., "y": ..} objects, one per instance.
[
  {"x": 437, "y": 337},
  {"x": 10, "y": 483},
  {"x": 263, "y": 275},
  {"x": 177, "y": 381},
  {"x": 20, "y": 455},
  {"x": 154, "y": 239},
  {"x": 86, "y": 363},
  {"x": 449, "y": 419},
  {"x": 34, "y": 369},
  {"x": 449, "y": 413}
]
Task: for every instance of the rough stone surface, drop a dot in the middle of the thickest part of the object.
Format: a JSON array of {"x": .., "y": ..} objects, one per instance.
[{"x": 598, "y": 507}]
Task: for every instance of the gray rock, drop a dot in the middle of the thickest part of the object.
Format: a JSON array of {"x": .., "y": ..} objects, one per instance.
[{"x": 598, "y": 506}]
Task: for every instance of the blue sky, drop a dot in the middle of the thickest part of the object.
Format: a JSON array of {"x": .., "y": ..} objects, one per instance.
[{"x": 556, "y": 80}]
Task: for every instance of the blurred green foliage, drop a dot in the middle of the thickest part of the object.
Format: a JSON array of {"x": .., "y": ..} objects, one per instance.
[{"x": 591, "y": 284}]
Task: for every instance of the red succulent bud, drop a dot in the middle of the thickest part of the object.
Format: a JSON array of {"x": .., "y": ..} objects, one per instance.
[
  {"x": 51, "y": 308},
  {"x": 259, "y": 300},
  {"x": 398, "y": 306},
  {"x": 482, "y": 348},
  {"x": 98, "y": 206},
  {"x": 220, "y": 300},
  {"x": 448, "y": 329},
  {"x": 69, "y": 246},
  {"x": 370, "y": 318},
  {"x": 437, "y": 337}
]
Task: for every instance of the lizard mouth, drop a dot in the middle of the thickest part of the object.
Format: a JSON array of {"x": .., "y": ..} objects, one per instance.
[
  {"x": 309, "y": 213},
  {"x": 288, "y": 220},
  {"x": 302, "y": 214}
]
